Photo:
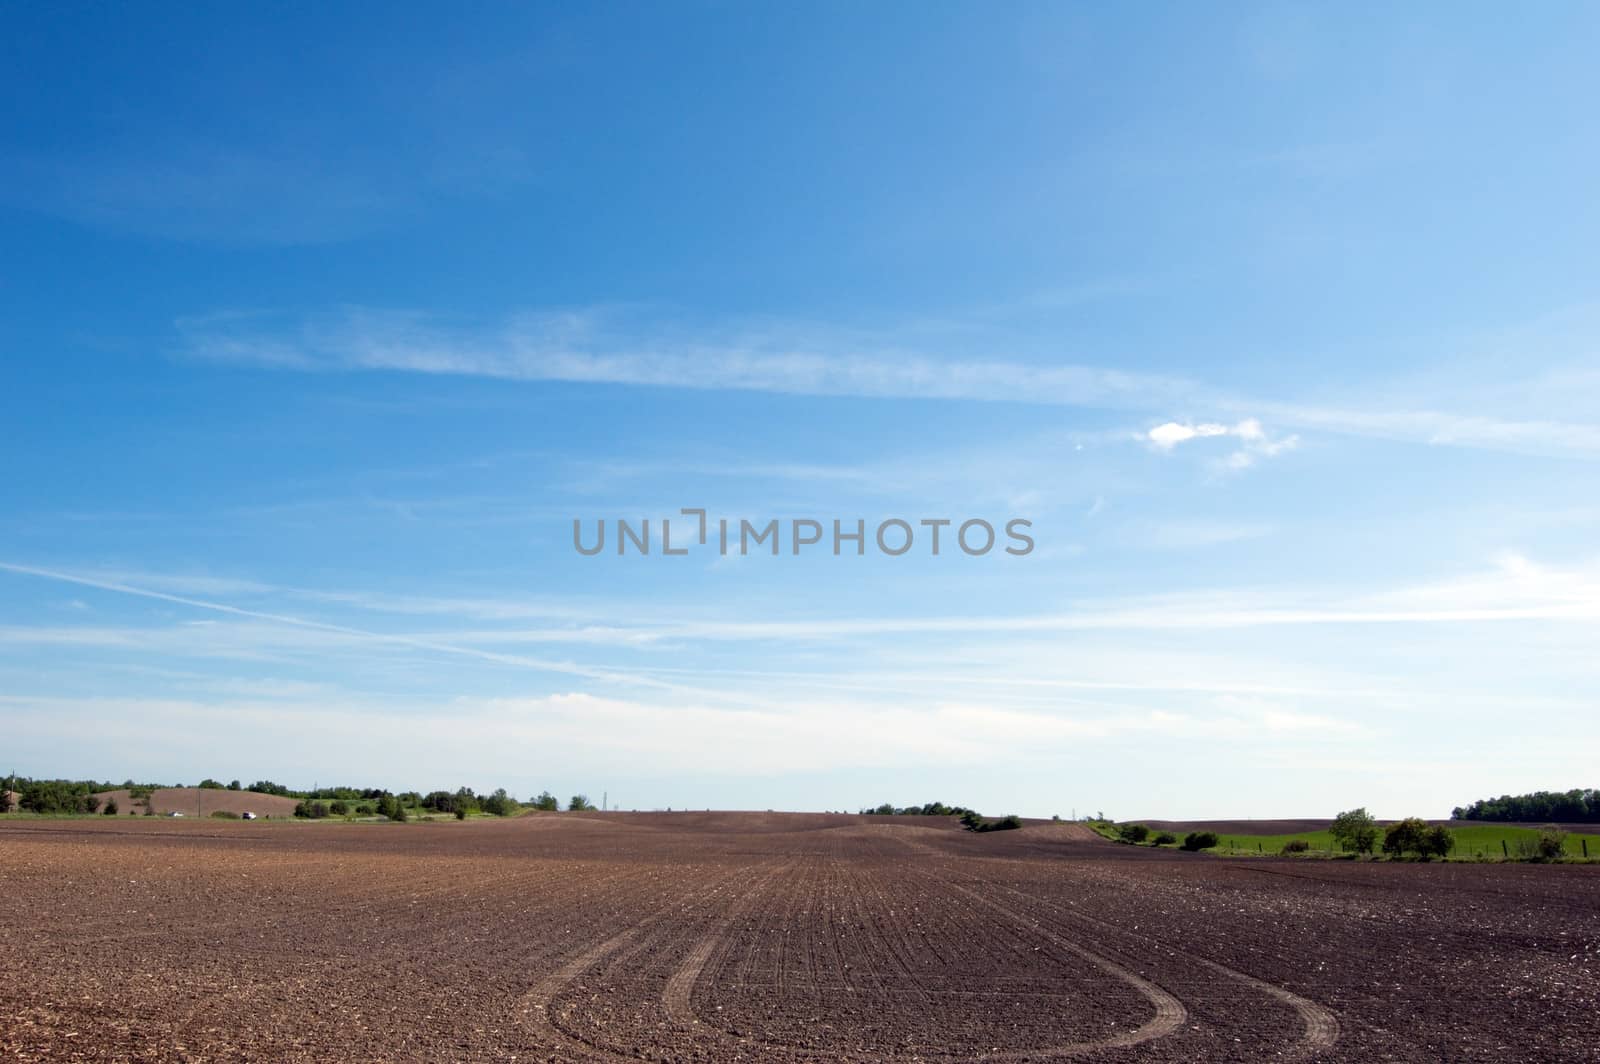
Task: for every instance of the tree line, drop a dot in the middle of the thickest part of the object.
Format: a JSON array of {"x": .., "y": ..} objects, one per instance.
[
  {"x": 1580, "y": 806},
  {"x": 62, "y": 796},
  {"x": 971, "y": 819}
]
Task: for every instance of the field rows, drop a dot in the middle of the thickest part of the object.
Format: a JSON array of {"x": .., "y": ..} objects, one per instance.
[{"x": 749, "y": 937}]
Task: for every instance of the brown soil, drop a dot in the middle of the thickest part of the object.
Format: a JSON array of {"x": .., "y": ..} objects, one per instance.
[
  {"x": 183, "y": 800},
  {"x": 761, "y": 937}
]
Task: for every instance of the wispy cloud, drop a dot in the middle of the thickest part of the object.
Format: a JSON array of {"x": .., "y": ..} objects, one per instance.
[{"x": 612, "y": 346}]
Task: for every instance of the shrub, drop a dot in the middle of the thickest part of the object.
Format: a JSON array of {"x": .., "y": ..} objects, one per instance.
[
  {"x": 461, "y": 814},
  {"x": 1166, "y": 838},
  {"x": 339, "y": 807},
  {"x": 1134, "y": 833},
  {"x": 1439, "y": 841},
  {"x": 547, "y": 802},
  {"x": 580, "y": 803},
  {"x": 1550, "y": 845},
  {"x": 223, "y": 814},
  {"x": 1196, "y": 841},
  {"x": 111, "y": 807},
  {"x": 1296, "y": 846}
]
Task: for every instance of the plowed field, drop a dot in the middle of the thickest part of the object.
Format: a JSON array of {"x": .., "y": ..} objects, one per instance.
[{"x": 764, "y": 937}]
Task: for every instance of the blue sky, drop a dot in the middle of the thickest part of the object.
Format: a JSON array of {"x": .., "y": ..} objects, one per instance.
[{"x": 320, "y": 327}]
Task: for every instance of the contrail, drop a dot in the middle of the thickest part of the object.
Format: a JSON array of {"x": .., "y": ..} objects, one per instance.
[{"x": 518, "y": 660}]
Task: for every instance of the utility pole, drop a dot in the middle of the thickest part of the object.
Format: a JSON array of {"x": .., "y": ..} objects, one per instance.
[{"x": 604, "y": 797}]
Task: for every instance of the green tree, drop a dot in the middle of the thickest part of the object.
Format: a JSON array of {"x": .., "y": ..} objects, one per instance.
[
  {"x": 211, "y": 785},
  {"x": 1196, "y": 841},
  {"x": 1355, "y": 831},
  {"x": 111, "y": 807},
  {"x": 1407, "y": 836},
  {"x": 499, "y": 803},
  {"x": 580, "y": 803},
  {"x": 547, "y": 802},
  {"x": 234, "y": 786}
]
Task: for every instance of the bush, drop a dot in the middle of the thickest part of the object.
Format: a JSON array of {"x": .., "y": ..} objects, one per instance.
[
  {"x": 1166, "y": 838},
  {"x": 580, "y": 803},
  {"x": 1440, "y": 841},
  {"x": 547, "y": 802},
  {"x": 111, "y": 807},
  {"x": 461, "y": 814},
  {"x": 1196, "y": 841},
  {"x": 1296, "y": 846},
  {"x": 338, "y": 807},
  {"x": 1134, "y": 833},
  {"x": 1550, "y": 845},
  {"x": 223, "y": 814}
]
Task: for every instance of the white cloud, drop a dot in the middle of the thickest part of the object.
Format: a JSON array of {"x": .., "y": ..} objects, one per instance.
[
  {"x": 1254, "y": 443},
  {"x": 1170, "y": 434}
]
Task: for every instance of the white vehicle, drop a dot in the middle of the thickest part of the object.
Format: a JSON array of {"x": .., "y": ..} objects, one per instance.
[
  {"x": 247, "y": 816},
  {"x": 174, "y": 814}
]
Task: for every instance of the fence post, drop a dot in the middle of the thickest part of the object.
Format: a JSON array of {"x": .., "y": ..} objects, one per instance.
[
  {"x": 1503, "y": 851},
  {"x": 1585, "y": 847}
]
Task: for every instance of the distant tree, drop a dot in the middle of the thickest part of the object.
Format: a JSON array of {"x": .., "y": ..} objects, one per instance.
[
  {"x": 111, "y": 807},
  {"x": 1134, "y": 833},
  {"x": 1196, "y": 841},
  {"x": 580, "y": 803},
  {"x": 234, "y": 786},
  {"x": 547, "y": 802},
  {"x": 1166, "y": 838},
  {"x": 1355, "y": 831},
  {"x": 338, "y": 807},
  {"x": 1410, "y": 835},
  {"x": 397, "y": 812},
  {"x": 211, "y": 785},
  {"x": 499, "y": 803}
]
